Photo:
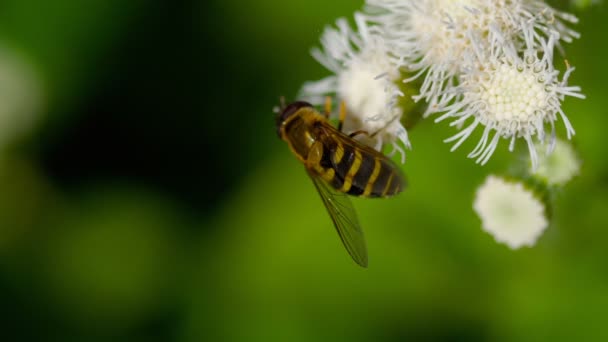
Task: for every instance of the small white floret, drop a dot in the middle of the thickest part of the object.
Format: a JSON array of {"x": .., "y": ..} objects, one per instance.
[
  {"x": 558, "y": 167},
  {"x": 510, "y": 212}
]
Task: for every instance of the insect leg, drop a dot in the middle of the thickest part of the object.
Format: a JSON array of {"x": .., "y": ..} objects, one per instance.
[
  {"x": 383, "y": 127},
  {"x": 355, "y": 133},
  {"x": 327, "y": 106},
  {"x": 342, "y": 115}
]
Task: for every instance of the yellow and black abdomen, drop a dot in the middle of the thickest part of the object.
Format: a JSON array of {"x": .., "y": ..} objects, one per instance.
[
  {"x": 347, "y": 165},
  {"x": 359, "y": 171}
]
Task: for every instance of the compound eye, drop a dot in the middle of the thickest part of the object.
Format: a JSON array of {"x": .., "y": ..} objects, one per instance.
[{"x": 292, "y": 108}]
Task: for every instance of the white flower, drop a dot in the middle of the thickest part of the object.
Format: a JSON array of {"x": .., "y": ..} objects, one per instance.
[
  {"x": 365, "y": 78},
  {"x": 560, "y": 166},
  {"x": 510, "y": 212},
  {"x": 512, "y": 98},
  {"x": 435, "y": 38}
]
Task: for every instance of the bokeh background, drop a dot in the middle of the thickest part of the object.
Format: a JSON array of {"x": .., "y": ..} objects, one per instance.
[{"x": 144, "y": 195}]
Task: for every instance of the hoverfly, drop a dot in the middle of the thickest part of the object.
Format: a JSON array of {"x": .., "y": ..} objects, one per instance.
[{"x": 338, "y": 166}]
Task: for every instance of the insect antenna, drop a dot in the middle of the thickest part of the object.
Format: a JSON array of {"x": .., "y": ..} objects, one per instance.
[{"x": 278, "y": 109}]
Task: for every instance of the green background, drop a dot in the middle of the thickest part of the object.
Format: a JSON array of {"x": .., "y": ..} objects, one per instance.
[{"x": 152, "y": 200}]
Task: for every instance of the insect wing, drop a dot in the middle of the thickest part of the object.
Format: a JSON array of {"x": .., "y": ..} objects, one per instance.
[
  {"x": 366, "y": 157},
  {"x": 343, "y": 214}
]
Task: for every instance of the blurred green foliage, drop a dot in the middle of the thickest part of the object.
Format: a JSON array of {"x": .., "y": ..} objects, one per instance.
[{"x": 153, "y": 201}]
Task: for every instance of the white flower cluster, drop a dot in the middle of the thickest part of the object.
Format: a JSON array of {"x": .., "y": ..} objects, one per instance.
[
  {"x": 366, "y": 78},
  {"x": 486, "y": 66},
  {"x": 478, "y": 63}
]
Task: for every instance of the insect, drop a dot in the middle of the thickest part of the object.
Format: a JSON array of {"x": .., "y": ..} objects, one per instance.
[{"x": 338, "y": 166}]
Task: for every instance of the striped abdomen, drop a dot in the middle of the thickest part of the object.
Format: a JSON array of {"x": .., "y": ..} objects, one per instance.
[{"x": 356, "y": 169}]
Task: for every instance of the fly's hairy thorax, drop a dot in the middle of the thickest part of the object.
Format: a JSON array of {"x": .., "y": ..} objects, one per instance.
[{"x": 299, "y": 132}]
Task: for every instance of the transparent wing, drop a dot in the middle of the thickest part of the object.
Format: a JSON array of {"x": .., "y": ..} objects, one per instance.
[{"x": 343, "y": 214}]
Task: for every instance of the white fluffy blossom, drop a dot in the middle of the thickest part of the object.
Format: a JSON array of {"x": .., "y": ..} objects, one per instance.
[
  {"x": 510, "y": 97},
  {"x": 510, "y": 212},
  {"x": 365, "y": 78},
  {"x": 559, "y": 167},
  {"x": 434, "y": 38}
]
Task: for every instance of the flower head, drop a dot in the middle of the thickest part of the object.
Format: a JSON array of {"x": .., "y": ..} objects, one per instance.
[
  {"x": 512, "y": 97},
  {"x": 560, "y": 166},
  {"x": 510, "y": 212},
  {"x": 365, "y": 78},
  {"x": 435, "y": 37}
]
